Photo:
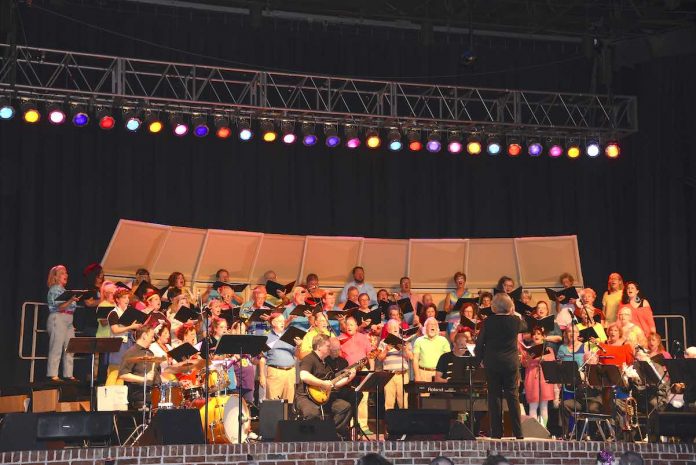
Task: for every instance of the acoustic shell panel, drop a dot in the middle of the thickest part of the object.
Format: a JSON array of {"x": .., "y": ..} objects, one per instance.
[
  {"x": 542, "y": 260},
  {"x": 385, "y": 261},
  {"x": 332, "y": 258},
  {"x": 234, "y": 251},
  {"x": 134, "y": 245},
  {"x": 433, "y": 262},
  {"x": 489, "y": 259}
]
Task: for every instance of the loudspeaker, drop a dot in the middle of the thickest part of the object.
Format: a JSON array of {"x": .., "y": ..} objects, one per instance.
[
  {"x": 531, "y": 428},
  {"x": 459, "y": 431},
  {"x": 18, "y": 432},
  {"x": 73, "y": 426},
  {"x": 173, "y": 427},
  {"x": 418, "y": 422},
  {"x": 270, "y": 413},
  {"x": 680, "y": 424},
  {"x": 306, "y": 431}
]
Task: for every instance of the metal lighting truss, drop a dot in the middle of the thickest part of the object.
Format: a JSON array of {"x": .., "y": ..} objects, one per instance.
[{"x": 103, "y": 81}]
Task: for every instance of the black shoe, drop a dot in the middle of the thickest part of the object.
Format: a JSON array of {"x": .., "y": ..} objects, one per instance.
[{"x": 54, "y": 380}]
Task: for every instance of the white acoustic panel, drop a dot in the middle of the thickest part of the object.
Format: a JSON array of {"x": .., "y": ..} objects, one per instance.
[
  {"x": 332, "y": 258},
  {"x": 434, "y": 261},
  {"x": 134, "y": 245},
  {"x": 234, "y": 251},
  {"x": 282, "y": 254},
  {"x": 489, "y": 259},
  {"x": 542, "y": 260},
  {"x": 180, "y": 252},
  {"x": 385, "y": 261}
]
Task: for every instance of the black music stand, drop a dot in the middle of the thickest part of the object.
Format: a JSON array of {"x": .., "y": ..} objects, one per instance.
[
  {"x": 681, "y": 370},
  {"x": 240, "y": 344},
  {"x": 562, "y": 372},
  {"x": 92, "y": 346},
  {"x": 372, "y": 383},
  {"x": 463, "y": 370}
]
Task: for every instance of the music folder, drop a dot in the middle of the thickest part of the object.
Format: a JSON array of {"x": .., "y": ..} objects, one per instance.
[
  {"x": 405, "y": 305},
  {"x": 67, "y": 295},
  {"x": 131, "y": 316},
  {"x": 464, "y": 300},
  {"x": 185, "y": 314},
  {"x": 568, "y": 293},
  {"x": 393, "y": 340},
  {"x": 547, "y": 323},
  {"x": 236, "y": 287},
  {"x": 182, "y": 352},
  {"x": 291, "y": 333},
  {"x": 273, "y": 287}
]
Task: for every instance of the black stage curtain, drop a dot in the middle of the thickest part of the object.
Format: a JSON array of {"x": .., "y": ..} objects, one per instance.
[{"x": 64, "y": 189}]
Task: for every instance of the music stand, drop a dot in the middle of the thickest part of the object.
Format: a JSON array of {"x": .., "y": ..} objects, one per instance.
[
  {"x": 463, "y": 371},
  {"x": 681, "y": 370},
  {"x": 92, "y": 346},
  {"x": 602, "y": 376},
  {"x": 562, "y": 372},
  {"x": 240, "y": 344},
  {"x": 372, "y": 383}
]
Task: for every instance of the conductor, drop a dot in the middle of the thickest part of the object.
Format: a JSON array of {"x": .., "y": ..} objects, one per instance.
[{"x": 496, "y": 346}]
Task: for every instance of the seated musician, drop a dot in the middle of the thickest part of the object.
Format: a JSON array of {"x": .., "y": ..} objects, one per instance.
[
  {"x": 277, "y": 366},
  {"x": 134, "y": 373},
  {"x": 654, "y": 354},
  {"x": 427, "y": 351},
  {"x": 315, "y": 372},
  {"x": 395, "y": 359},
  {"x": 338, "y": 363},
  {"x": 443, "y": 370}
]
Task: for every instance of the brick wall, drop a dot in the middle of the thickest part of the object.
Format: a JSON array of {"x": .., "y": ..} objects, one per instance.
[{"x": 345, "y": 453}]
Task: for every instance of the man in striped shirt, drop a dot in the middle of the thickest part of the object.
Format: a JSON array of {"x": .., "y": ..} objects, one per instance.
[{"x": 395, "y": 359}]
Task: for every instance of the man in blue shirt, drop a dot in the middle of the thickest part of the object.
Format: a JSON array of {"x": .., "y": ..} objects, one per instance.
[
  {"x": 277, "y": 366},
  {"x": 359, "y": 282}
]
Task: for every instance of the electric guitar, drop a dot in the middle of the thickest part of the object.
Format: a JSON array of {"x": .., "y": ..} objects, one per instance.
[{"x": 320, "y": 396}]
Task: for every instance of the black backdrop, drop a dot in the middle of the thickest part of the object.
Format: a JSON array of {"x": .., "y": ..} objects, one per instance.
[{"x": 64, "y": 189}]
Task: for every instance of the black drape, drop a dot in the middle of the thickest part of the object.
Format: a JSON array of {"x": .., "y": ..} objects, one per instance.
[{"x": 63, "y": 189}]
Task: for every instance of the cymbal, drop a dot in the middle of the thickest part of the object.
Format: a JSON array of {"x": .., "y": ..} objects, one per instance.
[
  {"x": 185, "y": 367},
  {"x": 147, "y": 359}
]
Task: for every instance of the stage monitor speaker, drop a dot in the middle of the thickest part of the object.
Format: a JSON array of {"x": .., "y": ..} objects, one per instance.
[
  {"x": 170, "y": 427},
  {"x": 18, "y": 432},
  {"x": 270, "y": 413},
  {"x": 531, "y": 428},
  {"x": 679, "y": 424},
  {"x": 418, "y": 422},
  {"x": 306, "y": 431},
  {"x": 75, "y": 426},
  {"x": 460, "y": 431}
]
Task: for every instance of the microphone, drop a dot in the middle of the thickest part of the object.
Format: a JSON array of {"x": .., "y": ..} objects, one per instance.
[{"x": 601, "y": 349}]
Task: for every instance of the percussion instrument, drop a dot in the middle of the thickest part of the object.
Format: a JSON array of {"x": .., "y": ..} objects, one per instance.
[
  {"x": 223, "y": 419},
  {"x": 167, "y": 396},
  {"x": 216, "y": 377}
]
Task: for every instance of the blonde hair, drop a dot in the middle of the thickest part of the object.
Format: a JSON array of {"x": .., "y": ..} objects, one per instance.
[
  {"x": 107, "y": 286},
  {"x": 52, "y": 279}
]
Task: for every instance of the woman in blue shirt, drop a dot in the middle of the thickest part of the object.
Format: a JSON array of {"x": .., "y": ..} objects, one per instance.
[{"x": 59, "y": 325}]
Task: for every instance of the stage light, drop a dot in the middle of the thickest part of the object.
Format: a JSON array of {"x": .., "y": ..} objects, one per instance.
[
  {"x": 288, "y": 130},
  {"x": 268, "y": 132},
  {"x": 79, "y": 116},
  {"x": 31, "y": 113},
  {"x": 222, "y": 127},
  {"x": 372, "y": 139},
  {"x": 180, "y": 128},
  {"x": 153, "y": 123},
  {"x": 493, "y": 146},
  {"x": 245, "y": 132},
  {"x": 592, "y": 149},
  {"x": 352, "y": 139},
  {"x": 309, "y": 138},
  {"x": 514, "y": 147},
  {"x": 331, "y": 134},
  {"x": 555, "y": 149},
  {"x": 534, "y": 148},
  {"x": 433, "y": 145},
  {"x": 200, "y": 126},
  {"x": 454, "y": 142},
  {"x": 473, "y": 145},
  {"x": 414, "y": 142},
  {"x": 56, "y": 115},
  {"x": 394, "y": 137},
  {"x": 7, "y": 111},
  {"x": 612, "y": 150},
  {"x": 133, "y": 121},
  {"x": 106, "y": 119},
  {"x": 573, "y": 150}
]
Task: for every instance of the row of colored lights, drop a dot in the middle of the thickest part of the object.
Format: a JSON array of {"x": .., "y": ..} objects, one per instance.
[{"x": 473, "y": 145}]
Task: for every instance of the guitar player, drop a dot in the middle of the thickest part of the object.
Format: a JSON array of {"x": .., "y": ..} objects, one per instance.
[{"x": 315, "y": 372}]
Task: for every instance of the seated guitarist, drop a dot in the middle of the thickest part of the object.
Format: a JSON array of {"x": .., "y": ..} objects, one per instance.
[{"x": 315, "y": 372}]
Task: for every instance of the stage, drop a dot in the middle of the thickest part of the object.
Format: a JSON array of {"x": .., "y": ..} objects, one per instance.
[{"x": 345, "y": 453}]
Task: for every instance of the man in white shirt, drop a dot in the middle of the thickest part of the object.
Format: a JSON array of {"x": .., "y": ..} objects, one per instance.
[{"x": 359, "y": 282}]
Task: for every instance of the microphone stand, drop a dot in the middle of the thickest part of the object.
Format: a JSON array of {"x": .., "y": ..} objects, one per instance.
[
  {"x": 206, "y": 389},
  {"x": 573, "y": 322}
]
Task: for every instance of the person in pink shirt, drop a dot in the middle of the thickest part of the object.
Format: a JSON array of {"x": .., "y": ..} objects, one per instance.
[
  {"x": 354, "y": 347},
  {"x": 641, "y": 312}
]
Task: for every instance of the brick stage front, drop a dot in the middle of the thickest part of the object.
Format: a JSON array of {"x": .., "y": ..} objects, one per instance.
[{"x": 346, "y": 453}]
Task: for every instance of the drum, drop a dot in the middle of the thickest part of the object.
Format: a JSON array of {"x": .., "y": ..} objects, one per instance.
[
  {"x": 167, "y": 396},
  {"x": 194, "y": 397},
  {"x": 223, "y": 419},
  {"x": 217, "y": 378}
]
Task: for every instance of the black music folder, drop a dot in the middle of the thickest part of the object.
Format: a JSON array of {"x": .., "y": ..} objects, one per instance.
[
  {"x": 236, "y": 287},
  {"x": 67, "y": 295},
  {"x": 291, "y": 333},
  {"x": 273, "y": 287},
  {"x": 568, "y": 293},
  {"x": 185, "y": 314},
  {"x": 182, "y": 352},
  {"x": 548, "y": 323},
  {"x": 131, "y": 316},
  {"x": 464, "y": 300}
]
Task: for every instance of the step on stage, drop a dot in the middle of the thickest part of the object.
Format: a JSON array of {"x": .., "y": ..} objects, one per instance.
[{"x": 346, "y": 453}]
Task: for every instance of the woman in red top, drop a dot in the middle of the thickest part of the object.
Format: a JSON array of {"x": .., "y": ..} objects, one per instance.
[
  {"x": 616, "y": 350},
  {"x": 641, "y": 313}
]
